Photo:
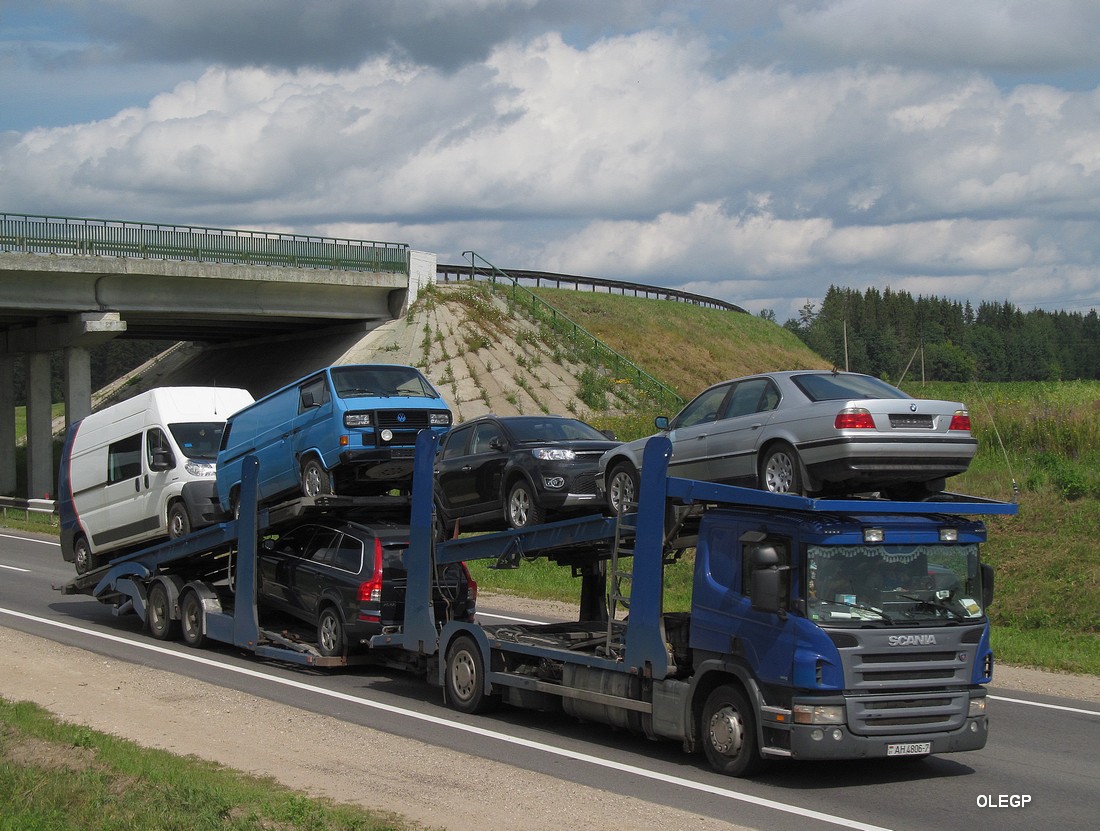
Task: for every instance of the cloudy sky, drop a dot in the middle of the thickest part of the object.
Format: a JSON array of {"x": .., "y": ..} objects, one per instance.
[{"x": 749, "y": 150}]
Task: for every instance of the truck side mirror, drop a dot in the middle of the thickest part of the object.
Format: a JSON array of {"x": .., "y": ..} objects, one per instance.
[
  {"x": 162, "y": 460},
  {"x": 764, "y": 582},
  {"x": 987, "y": 585}
]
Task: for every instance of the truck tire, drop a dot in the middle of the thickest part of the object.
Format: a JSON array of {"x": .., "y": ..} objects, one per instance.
[
  {"x": 622, "y": 487},
  {"x": 464, "y": 678},
  {"x": 522, "y": 507},
  {"x": 781, "y": 470},
  {"x": 728, "y": 731},
  {"x": 179, "y": 521},
  {"x": 331, "y": 640},
  {"x": 159, "y": 614},
  {"x": 83, "y": 558},
  {"x": 316, "y": 481},
  {"x": 191, "y": 620}
]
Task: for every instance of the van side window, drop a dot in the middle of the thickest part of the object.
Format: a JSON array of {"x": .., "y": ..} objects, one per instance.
[
  {"x": 124, "y": 459},
  {"x": 313, "y": 393},
  {"x": 783, "y": 549}
]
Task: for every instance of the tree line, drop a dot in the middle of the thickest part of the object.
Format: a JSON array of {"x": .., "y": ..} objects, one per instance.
[{"x": 892, "y": 334}]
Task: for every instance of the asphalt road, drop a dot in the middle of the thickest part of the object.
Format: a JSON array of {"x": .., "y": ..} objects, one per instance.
[{"x": 1041, "y": 768}]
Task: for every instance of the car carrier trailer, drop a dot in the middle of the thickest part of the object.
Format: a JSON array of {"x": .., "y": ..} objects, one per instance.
[{"x": 769, "y": 659}]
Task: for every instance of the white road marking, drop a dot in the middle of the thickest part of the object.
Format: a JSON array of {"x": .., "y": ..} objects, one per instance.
[{"x": 642, "y": 773}]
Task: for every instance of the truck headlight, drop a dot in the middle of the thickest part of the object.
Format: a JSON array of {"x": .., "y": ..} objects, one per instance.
[
  {"x": 977, "y": 707},
  {"x": 818, "y": 713}
]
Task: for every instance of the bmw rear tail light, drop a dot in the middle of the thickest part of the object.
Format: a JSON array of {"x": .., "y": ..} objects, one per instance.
[
  {"x": 371, "y": 591},
  {"x": 854, "y": 418},
  {"x": 960, "y": 421}
]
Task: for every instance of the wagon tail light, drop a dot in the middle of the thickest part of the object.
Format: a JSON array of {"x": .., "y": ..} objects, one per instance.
[
  {"x": 854, "y": 418},
  {"x": 960, "y": 421},
  {"x": 371, "y": 591}
]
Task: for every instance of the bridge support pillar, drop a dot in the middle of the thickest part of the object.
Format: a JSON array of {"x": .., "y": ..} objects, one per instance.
[
  {"x": 7, "y": 425},
  {"x": 78, "y": 384},
  {"x": 39, "y": 423}
]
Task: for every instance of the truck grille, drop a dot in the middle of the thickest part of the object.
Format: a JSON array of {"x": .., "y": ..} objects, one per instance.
[{"x": 907, "y": 713}]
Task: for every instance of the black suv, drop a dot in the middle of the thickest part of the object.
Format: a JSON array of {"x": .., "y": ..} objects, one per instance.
[
  {"x": 348, "y": 580},
  {"x": 496, "y": 472}
]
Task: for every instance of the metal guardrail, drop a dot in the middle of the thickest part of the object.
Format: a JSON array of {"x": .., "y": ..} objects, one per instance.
[
  {"x": 446, "y": 273},
  {"x": 28, "y": 507},
  {"x": 143, "y": 240},
  {"x": 558, "y": 320}
]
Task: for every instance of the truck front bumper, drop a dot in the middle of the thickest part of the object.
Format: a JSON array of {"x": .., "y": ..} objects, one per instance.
[{"x": 836, "y": 741}]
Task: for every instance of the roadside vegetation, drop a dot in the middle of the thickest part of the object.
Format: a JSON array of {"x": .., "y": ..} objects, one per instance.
[{"x": 55, "y": 775}]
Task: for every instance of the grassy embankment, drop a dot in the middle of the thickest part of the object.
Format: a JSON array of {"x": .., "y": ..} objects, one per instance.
[
  {"x": 55, "y": 775},
  {"x": 1043, "y": 436}
]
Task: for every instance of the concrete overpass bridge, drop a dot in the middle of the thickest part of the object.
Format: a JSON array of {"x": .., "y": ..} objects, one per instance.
[{"x": 68, "y": 284}]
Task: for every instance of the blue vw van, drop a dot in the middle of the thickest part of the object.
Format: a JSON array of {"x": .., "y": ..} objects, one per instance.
[{"x": 344, "y": 429}]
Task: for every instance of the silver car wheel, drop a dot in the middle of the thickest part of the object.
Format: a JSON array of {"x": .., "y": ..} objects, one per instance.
[{"x": 780, "y": 472}]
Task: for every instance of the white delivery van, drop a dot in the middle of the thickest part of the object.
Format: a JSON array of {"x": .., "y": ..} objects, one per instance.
[{"x": 141, "y": 470}]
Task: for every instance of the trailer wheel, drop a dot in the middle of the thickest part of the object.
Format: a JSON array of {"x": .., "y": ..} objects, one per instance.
[
  {"x": 465, "y": 678},
  {"x": 179, "y": 522},
  {"x": 315, "y": 479},
  {"x": 159, "y": 614},
  {"x": 331, "y": 640},
  {"x": 191, "y": 620},
  {"x": 728, "y": 729},
  {"x": 83, "y": 558}
]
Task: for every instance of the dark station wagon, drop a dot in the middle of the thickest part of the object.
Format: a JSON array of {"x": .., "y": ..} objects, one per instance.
[{"x": 348, "y": 581}]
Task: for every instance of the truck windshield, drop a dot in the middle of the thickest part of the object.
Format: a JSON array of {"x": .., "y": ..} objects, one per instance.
[
  {"x": 894, "y": 584},
  {"x": 199, "y": 440},
  {"x": 380, "y": 381}
]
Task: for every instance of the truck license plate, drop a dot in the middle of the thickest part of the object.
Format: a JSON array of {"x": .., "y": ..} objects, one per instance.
[{"x": 909, "y": 749}]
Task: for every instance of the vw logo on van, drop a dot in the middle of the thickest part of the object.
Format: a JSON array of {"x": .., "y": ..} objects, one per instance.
[{"x": 401, "y": 418}]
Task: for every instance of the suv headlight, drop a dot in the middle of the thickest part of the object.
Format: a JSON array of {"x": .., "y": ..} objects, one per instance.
[{"x": 553, "y": 454}]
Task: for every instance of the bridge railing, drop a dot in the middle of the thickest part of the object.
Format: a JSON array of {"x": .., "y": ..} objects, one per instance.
[
  {"x": 619, "y": 364},
  {"x": 101, "y": 237}
]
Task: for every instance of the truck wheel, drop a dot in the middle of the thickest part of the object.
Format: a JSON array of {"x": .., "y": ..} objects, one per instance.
[
  {"x": 522, "y": 508},
  {"x": 179, "y": 522},
  {"x": 728, "y": 730},
  {"x": 191, "y": 620},
  {"x": 622, "y": 487},
  {"x": 315, "y": 479},
  {"x": 83, "y": 558},
  {"x": 331, "y": 641},
  {"x": 159, "y": 614},
  {"x": 781, "y": 470},
  {"x": 464, "y": 678}
]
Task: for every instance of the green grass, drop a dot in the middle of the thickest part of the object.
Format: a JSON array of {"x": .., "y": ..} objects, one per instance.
[{"x": 55, "y": 775}]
